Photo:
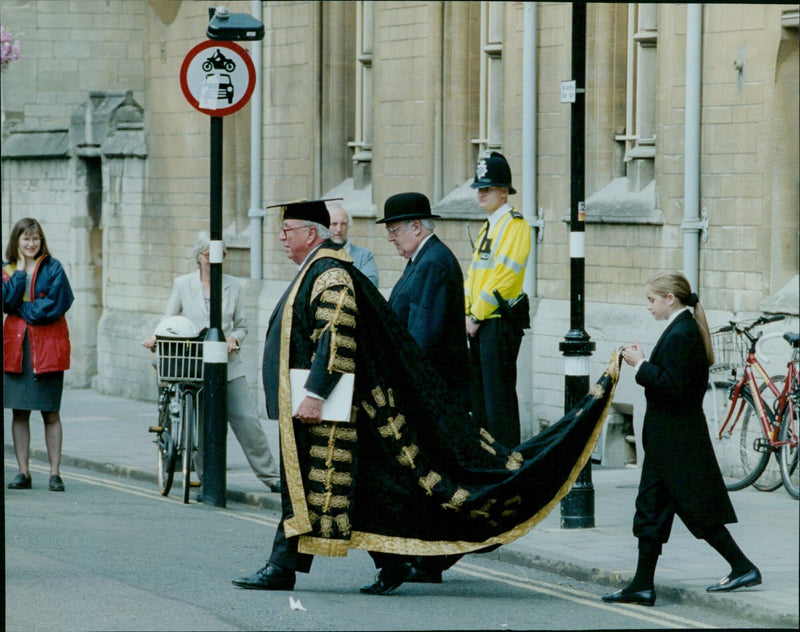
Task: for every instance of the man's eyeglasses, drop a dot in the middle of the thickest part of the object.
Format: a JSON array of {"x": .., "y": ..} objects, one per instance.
[
  {"x": 285, "y": 230},
  {"x": 393, "y": 230}
]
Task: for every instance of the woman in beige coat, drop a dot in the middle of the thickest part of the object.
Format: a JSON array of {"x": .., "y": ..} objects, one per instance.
[{"x": 190, "y": 297}]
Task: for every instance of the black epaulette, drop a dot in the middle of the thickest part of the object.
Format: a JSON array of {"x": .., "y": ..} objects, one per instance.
[{"x": 516, "y": 214}]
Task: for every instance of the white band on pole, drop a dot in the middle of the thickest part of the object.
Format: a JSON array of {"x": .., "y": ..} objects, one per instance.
[
  {"x": 576, "y": 365},
  {"x": 215, "y": 250},
  {"x": 577, "y": 245},
  {"x": 215, "y": 352}
]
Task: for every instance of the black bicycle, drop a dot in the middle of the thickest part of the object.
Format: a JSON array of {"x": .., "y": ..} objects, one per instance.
[{"x": 180, "y": 378}]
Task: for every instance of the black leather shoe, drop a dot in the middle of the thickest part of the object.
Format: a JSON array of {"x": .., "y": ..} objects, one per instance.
[
  {"x": 732, "y": 582},
  {"x": 420, "y": 576},
  {"x": 639, "y": 597},
  {"x": 387, "y": 579},
  {"x": 268, "y": 578},
  {"x": 55, "y": 483},
  {"x": 21, "y": 481},
  {"x": 275, "y": 488}
]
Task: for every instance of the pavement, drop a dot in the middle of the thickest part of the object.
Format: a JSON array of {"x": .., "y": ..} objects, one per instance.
[{"x": 110, "y": 435}]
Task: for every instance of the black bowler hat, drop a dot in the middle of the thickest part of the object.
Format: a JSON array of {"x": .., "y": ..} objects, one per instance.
[
  {"x": 406, "y": 206},
  {"x": 493, "y": 171},
  {"x": 306, "y": 210}
]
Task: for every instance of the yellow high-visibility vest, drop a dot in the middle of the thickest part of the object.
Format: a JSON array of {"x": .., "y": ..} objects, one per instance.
[{"x": 498, "y": 263}]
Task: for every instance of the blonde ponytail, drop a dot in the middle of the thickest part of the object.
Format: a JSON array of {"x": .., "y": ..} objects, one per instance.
[{"x": 677, "y": 284}]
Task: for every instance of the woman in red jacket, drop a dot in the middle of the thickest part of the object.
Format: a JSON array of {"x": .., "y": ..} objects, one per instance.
[{"x": 36, "y": 348}]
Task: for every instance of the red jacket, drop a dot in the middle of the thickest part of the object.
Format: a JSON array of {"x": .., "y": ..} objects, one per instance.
[{"x": 42, "y": 316}]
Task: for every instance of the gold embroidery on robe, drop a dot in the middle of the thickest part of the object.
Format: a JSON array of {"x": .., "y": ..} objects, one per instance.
[
  {"x": 457, "y": 499},
  {"x": 514, "y": 461},
  {"x": 488, "y": 448},
  {"x": 429, "y": 482},
  {"x": 379, "y": 397},
  {"x": 369, "y": 410},
  {"x": 407, "y": 455},
  {"x": 485, "y": 434},
  {"x": 392, "y": 427},
  {"x": 328, "y": 501},
  {"x": 337, "y": 454},
  {"x": 330, "y": 278},
  {"x": 485, "y": 511}
]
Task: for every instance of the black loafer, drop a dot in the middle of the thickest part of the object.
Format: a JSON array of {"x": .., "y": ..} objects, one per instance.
[
  {"x": 21, "y": 481},
  {"x": 638, "y": 597},
  {"x": 732, "y": 582},
  {"x": 268, "y": 578},
  {"x": 388, "y": 578},
  {"x": 420, "y": 576},
  {"x": 55, "y": 483}
]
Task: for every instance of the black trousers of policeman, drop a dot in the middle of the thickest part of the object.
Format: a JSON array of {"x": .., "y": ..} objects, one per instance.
[{"x": 493, "y": 379}]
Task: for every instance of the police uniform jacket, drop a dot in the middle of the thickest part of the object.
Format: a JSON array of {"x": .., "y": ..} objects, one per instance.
[{"x": 498, "y": 263}]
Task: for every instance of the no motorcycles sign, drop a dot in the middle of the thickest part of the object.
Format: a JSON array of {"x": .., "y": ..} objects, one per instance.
[{"x": 218, "y": 78}]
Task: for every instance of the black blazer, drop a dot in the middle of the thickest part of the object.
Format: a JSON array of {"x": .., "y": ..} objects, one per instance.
[
  {"x": 429, "y": 300},
  {"x": 676, "y": 439}
]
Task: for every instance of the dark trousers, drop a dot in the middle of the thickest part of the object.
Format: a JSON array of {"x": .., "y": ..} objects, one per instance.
[
  {"x": 656, "y": 509},
  {"x": 493, "y": 370},
  {"x": 284, "y": 550}
]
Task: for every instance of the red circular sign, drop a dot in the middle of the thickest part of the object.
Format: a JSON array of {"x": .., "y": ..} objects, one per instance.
[{"x": 218, "y": 78}]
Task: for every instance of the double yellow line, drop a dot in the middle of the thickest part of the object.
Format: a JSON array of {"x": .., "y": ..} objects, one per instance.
[{"x": 591, "y": 600}]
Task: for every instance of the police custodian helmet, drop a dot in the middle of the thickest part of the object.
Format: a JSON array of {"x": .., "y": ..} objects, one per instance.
[{"x": 493, "y": 171}]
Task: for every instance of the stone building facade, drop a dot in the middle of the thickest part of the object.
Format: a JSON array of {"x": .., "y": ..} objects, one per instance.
[{"x": 362, "y": 100}]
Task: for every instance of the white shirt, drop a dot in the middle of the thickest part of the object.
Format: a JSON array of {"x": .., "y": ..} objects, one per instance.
[
  {"x": 670, "y": 318},
  {"x": 495, "y": 216},
  {"x": 419, "y": 247}
]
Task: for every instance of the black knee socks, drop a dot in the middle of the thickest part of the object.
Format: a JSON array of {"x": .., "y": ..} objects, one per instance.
[
  {"x": 723, "y": 543},
  {"x": 645, "y": 570}
]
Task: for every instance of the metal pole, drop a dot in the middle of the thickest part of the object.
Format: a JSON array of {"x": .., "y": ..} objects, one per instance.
[
  {"x": 577, "y": 508},
  {"x": 215, "y": 349}
]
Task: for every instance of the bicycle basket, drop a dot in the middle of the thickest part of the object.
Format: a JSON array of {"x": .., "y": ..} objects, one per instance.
[
  {"x": 179, "y": 359},
  {"x": 729, "y": 351}
]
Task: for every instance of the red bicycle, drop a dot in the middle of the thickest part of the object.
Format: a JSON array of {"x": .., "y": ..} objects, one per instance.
[{"x": 745, "y": 443}]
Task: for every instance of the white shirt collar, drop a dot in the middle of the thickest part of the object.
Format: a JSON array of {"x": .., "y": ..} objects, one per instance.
[
  {"x": 419, "y": 247},
  {"x": 495, "y": 216},
  {"x": 674, "y": 314},
  {"x": 309, "y": 255}
]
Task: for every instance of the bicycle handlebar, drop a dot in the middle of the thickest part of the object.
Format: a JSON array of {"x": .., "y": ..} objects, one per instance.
[{"x": 740, "y": 328}]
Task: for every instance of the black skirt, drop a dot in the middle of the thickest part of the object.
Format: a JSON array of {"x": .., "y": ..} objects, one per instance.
[{"x": 28, "y": 391}]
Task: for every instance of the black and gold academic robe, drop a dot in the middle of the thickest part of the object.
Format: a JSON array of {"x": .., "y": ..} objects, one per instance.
[{"x": 403, "y": 476}]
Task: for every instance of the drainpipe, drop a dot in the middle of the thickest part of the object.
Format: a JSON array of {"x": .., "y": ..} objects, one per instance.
[
  {"x": 256, "y": 213},
  {"x": 533, "y": 214},
  {"x": 693, "y": 223}
]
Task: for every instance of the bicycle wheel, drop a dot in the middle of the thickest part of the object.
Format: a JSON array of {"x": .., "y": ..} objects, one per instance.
[
  {"x": 770, "y": 479},
  {"x": 165, "y": 445},
  {"x": 189, "y": 426},
  {"x": 715, "y": 408},
  {"x": 742, "y": 449},
  {"x": 787, "y": 456}
]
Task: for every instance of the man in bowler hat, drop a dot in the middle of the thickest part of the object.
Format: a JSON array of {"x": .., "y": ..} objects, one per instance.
[
  {"x": 427, "y": 298},
  {"x": 496, "y": 307}
]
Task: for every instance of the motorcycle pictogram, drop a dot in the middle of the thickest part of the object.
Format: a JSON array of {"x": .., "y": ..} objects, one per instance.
[{"x": 218, "y": 60}]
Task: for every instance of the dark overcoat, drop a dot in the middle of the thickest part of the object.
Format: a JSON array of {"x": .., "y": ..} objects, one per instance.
[
  {"x": 429, "y": 300},
  {"x": 676, "y": 441}
]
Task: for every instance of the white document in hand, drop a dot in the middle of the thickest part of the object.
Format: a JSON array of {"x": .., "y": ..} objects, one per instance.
[{"x": 337, "y": 406}]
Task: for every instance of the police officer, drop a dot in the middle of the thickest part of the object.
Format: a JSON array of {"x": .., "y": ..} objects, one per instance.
[{"x": 496, "y": 308}]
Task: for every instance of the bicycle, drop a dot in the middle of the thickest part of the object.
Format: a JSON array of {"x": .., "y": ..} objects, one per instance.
[
  {"x": 179, "y": 365},
  {"x": 744, "y": 449}
]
